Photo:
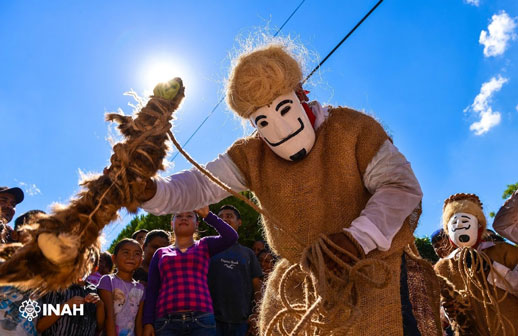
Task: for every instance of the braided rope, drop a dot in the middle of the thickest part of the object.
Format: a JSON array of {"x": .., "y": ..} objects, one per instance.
[
  {"x": 475, "y": 281},
  {"x": 334, "y": 293}
]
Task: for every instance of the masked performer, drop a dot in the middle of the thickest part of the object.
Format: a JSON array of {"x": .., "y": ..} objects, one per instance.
[
  {"x": 338, "y": 198},
  {"x": 480, "y": 299}
]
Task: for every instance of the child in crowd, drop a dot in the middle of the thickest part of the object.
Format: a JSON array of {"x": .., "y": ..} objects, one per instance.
[
  {"x": 178, "y": 300},
  {"x": 140, "y": 235},
  {"x": 267, "y": 261},
  {"x": 87, "y": 323},
  {"x": 103, "y": 265},
  {"x": 123, "y": 297},
  {"x": 441, "y": 244},
  {"x": 154, "y": 240},
  {"x": 258, "y": 246}
]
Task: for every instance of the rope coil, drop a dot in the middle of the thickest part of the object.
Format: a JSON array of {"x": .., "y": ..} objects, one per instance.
[{"x": 476, "y": 285}]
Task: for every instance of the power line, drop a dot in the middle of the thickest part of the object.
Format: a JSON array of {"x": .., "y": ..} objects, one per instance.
[
  {"x": 198, "y": 128},
  {"x": 289, "y": 17},
  {"x": 223, "y": 98},
  {"x": 343, "y": 40}
]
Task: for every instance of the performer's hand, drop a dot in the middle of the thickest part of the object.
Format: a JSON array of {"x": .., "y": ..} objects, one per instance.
[
  {"x": 203, "y": 212},
  {"x": 149, "y": 330},
  {"x": 149, "y": 191},
  {"x": 344, "y": 242}
]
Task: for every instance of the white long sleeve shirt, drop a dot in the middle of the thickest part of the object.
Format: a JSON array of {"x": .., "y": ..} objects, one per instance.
[{"x": 388, "y": 177}]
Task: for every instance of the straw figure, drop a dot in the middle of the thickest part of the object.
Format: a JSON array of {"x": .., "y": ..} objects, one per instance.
[
  {"x": 63, "y": 241},
  {"x": 477, "y": 292}
]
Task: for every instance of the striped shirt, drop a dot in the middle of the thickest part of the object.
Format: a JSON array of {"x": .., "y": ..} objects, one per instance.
[
  {"x": 66, "y": 325},
  {"x": 177, "y": 280}
]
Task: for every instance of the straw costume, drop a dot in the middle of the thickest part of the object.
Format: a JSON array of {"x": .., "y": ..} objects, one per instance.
[
  {"x": 506, "y": 219},
  {"x": 61, "y": 249},
  {"x": 339, "y": 205},
  {"x": 475, "y": 292}
]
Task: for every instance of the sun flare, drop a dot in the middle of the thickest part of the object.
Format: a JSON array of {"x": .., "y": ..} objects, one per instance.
[{"x": 157, "y": 71}]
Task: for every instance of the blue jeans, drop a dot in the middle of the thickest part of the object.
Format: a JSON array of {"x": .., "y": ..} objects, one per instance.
[
  {"x": 186, "y": 324},
  {"x": 231, "y": 329}
]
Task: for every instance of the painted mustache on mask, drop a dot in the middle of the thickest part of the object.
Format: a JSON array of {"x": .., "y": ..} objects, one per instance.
[{"x": 461, "y": 228}]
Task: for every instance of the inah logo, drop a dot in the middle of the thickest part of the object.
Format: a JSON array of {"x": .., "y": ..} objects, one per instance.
[{"x": 29, "y": 309}]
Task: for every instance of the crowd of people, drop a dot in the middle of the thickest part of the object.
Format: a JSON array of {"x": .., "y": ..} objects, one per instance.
[
  {"x": 155, "y": 283},
  {"x": 172, "y": 283}
]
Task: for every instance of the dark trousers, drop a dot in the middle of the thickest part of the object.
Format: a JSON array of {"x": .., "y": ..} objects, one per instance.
[{"x": 186, "y": 324}]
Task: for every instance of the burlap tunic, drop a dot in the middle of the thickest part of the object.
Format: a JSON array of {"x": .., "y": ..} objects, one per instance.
[
  {"x": 504, "y": 254},
  {"x": 323, "y": 193}
]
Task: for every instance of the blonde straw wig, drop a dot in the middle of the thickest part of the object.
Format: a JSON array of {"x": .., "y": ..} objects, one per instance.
[{"x": 261, "y": 76}]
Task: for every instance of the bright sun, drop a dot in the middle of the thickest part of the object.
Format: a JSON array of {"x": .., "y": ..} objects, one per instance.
[{"x": 156, "y": 71}]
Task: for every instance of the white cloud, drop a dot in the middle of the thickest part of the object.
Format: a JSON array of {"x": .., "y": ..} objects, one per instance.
[
  {"x": 473, "y": 2},
  {"x": 488, "y": 117},
  {"x": 30, "y": 189},
  {"x": 500, "y": 31}
]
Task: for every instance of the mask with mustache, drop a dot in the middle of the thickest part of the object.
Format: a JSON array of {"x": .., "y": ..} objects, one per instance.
[{"x": 463, "y": 229}]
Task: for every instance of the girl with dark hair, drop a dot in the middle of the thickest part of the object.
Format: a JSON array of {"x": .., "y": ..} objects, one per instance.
[
  {"x": 178, "y": 300},
  {"x": 154, "y": 240},
  {"x": 123, "y": 297}
]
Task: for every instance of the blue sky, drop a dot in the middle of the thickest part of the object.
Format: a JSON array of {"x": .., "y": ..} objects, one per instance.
[{"x": 425, "y": 69}]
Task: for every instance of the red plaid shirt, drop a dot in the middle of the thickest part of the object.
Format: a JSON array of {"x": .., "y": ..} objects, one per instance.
[
  {"x": 184, "y": 287},
  {"x": 177, "y": 281}
]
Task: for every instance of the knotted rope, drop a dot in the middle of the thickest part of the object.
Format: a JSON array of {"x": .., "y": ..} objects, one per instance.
[
  {"x": 122, "y": 164},
  {"x": 77, "y": 225},
  {"x": 327, "y": 293},
  {"x": 476, "y": 285}
]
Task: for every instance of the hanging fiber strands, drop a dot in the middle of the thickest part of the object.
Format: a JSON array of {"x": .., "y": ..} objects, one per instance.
[{"x": 64, "y": 241}]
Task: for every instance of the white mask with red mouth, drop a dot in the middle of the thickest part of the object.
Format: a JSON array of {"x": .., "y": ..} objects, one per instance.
[
  {"x": 463, "y": 229},
  {"x": 285, "y": 127}
]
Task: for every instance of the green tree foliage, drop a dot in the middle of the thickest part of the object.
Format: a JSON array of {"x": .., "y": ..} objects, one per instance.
[
  {"x": 249, "y": 231},
  {"x": 509, "y": 191},
  {"x": 148, "y": 222},
  {"x": 511, "y": 188},
  {"x": 425, "y": 248}
]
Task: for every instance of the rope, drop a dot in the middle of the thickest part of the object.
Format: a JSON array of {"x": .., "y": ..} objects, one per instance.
[
  {"x": 123, "y": 153},
  {"x": 332, "y": 291},
  {"x": 229, "y": 190},
  {"x": 342, "y": 41},
  {"x": 476, "y": 284},
  {"x": 223, "y": 98}
]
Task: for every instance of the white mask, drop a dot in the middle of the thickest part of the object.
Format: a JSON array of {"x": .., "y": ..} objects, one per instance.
[
  {"x": 463, "y": 229},
  {"x": 285, "y": 127}
]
